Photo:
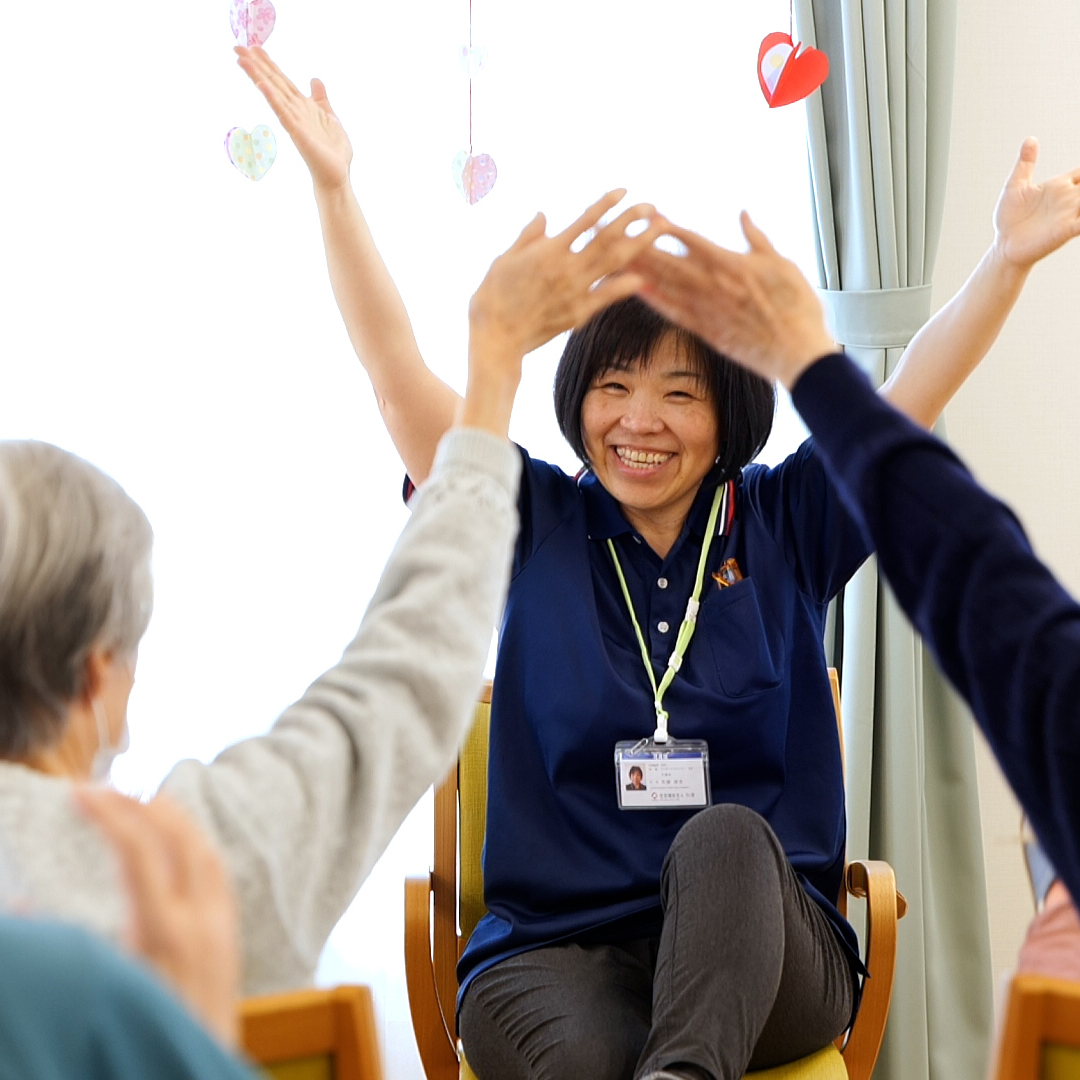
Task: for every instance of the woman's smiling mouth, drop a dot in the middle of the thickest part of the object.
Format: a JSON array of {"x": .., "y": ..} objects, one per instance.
[{"x": 642, "y": 459}]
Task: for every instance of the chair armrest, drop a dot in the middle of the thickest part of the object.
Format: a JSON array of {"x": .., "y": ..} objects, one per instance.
[
  {"x": 876, "y": 882},
  {"x": 437, "y": 1048}
]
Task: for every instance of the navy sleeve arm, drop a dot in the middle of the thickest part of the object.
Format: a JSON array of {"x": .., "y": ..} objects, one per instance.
[
  {"x": 1004, "y": 631},
  {"x": 810, "y": 524}
]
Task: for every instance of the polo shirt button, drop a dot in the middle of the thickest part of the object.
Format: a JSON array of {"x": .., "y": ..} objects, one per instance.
[
  {"x": 663, "y": 627},
  {"x": 661, "y": 583}
]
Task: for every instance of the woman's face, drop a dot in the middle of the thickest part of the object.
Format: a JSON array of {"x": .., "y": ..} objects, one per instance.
[{"x": 651, "y": 433}]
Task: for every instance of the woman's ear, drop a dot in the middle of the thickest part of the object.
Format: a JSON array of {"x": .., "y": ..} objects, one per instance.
[{"x": 95, "y": 672}]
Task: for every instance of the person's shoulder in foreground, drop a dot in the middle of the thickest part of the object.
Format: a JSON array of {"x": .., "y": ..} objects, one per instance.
[{"x": 71, "y": 1006}]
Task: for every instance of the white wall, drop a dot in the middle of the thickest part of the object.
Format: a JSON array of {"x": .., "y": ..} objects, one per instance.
[{"x": 1015, "y": 421}]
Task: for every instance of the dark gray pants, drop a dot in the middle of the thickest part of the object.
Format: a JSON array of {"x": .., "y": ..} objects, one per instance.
[{"x": 746, "y": 973}]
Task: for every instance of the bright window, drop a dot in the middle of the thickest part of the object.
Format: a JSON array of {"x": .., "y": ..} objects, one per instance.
[{"x": 172, "y": 321}]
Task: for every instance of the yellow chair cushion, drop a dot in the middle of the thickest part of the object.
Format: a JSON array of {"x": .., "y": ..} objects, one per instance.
[
  {"x": 826, "y": 1064},
  {"x": 311, "y": 1068},
  {"x": 1060, "y": 1063}
]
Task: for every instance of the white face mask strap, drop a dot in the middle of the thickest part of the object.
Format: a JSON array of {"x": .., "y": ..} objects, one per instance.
[{"x": 104, "y": 742}]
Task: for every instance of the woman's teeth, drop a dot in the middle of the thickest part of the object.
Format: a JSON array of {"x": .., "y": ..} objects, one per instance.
[{"x": 641, "y": 459}]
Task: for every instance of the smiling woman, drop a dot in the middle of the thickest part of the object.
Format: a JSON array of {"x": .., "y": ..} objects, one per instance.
[{"x": 652, "y": 409}]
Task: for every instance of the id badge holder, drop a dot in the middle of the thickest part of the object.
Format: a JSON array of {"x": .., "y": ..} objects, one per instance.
[{"x": 662, "y": 776}]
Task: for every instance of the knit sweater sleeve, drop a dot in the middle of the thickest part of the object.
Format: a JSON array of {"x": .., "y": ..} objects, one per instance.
[
  {"x": 302, "y": 813},
  {"x": 1003, "y": 629}
]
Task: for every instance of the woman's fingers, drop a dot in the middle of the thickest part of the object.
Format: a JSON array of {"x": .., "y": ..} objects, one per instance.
[
  {"x": 610, "y": 291},
  {"x": 757, "y": 240},
  {"x": 259, "y": 60},
  {"x": 531, "y": 232},
  {"x": 320, "y": 97},
  {"x": 144, "y": 858},
  {"x": 613, "y": 247},
  {"x": 591, "y": 216}
]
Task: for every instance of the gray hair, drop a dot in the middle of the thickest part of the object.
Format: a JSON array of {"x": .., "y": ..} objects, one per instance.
[{"x": 74, "y": 575}]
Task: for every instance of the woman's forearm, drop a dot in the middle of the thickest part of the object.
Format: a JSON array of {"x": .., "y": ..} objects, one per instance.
[
  {"x": 953, "y": 343},
  {"x": 416, "y": 405},
  {"x": 494, "y": 377}
]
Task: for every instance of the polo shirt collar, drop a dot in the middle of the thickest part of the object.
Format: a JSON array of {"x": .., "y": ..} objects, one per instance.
[{"x": 604, "y": 518}]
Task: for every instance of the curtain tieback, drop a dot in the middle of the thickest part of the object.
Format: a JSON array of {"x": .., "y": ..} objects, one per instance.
[{"x": 876, "y": 318}]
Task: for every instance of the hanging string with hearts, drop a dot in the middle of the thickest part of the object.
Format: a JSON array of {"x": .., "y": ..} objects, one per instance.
[
  {"x": 251, "y": 152},
  {"x": 474, "y": 174}
]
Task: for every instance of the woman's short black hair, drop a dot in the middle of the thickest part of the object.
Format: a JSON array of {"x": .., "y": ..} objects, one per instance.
[{"x": 626, "y": 334}]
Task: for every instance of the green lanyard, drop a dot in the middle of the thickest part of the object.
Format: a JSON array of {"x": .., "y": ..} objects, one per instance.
[{"x": 689, "y": 623}]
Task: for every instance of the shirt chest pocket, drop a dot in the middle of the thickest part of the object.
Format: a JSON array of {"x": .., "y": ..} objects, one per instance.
[{"x": 747, "y": 651}]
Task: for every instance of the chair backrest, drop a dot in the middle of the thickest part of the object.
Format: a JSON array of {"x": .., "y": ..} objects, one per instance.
[
  {"x": 1040, "y": 1038},
  {"x": 313, "y": 1034}
]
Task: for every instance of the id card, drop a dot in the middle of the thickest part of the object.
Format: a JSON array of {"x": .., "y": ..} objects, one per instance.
[{"x": 662, "y": 776}]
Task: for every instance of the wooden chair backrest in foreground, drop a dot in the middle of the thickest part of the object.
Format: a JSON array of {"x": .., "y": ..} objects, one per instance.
[
  {"x": 442, "y": 909},
  {"x": 1040, "y": 1037},
  {"x": 312, "y": 1034}
]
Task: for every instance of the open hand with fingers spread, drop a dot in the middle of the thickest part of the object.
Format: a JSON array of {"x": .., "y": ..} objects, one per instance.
[
  {"x": 754, "y": 307},
  {"x": 310, "y": 121},
  {"x": 183, "y": 917},
  {"x": 1032, "y": 220},
  {"x": 539, "y": 288}
]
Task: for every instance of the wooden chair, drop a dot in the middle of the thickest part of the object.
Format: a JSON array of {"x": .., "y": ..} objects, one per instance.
[
  {"x": 1040, "y": 1039},
  {"x": 313, "y": 1034},
  {"x": 442, "y": 910}
]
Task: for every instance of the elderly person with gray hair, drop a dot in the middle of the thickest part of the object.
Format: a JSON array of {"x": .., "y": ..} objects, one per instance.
[{"x": 299, "y": 814}]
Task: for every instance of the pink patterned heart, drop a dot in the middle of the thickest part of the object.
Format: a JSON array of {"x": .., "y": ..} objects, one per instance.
[
  {"x": 252, "y": 21},
  {"x": 474, "y": 175}
]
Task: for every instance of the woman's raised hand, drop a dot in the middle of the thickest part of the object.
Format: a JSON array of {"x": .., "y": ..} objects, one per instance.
[
  {"x": 310, "y": 122},
  {"x": 754, "y": 307},
  {"x": 1032, "y": 220},
  {"x": 542, "y": 286}
]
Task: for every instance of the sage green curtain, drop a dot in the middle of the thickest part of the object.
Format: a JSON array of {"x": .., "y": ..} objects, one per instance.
[{"x": 878, "y": 147}]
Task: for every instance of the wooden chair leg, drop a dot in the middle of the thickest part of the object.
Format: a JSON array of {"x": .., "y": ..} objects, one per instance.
[
  {"x": 875, "y": 881},
  {"x": 437, "y": 1048}
]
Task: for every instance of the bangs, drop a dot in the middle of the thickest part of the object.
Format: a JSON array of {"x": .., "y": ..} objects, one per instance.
[{"x": 690, "y": 350}]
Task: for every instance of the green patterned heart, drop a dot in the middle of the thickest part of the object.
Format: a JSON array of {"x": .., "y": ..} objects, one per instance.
[{"x": 251, "y": 152}]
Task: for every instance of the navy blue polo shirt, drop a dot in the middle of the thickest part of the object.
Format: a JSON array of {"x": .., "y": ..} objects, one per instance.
[{"x": 561, "y": 860}]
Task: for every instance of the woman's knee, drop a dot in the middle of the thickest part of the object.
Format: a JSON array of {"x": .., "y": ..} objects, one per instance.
[
  {"x": 726, "y": 826},
  {"x": 557, "y": 1012},
  {"x": 551, "y": 1048},
  {"x": 726, "y": 839}
]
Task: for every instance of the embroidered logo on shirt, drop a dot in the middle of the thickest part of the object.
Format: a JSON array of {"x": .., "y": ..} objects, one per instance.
[{"x": 728, "y": 574}]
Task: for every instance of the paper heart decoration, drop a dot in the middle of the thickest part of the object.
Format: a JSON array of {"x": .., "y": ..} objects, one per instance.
[
  {"x": 786, "y": 74},
  {"x": 472, "y": 59},
  {"x": 252, "y": 20},
  {"x": 251, "y": 152},
  {"x": 474, "y": 175}
]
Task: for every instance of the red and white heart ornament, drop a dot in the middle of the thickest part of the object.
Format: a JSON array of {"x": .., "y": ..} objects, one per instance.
[{"x": 789, "y": 72}]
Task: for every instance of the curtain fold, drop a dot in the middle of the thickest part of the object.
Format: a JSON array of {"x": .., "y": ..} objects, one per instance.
[{"x": 878, "y": 135}]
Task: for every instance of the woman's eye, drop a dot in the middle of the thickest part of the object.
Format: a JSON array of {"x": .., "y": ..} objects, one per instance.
[{"x": 612, "y": 385}]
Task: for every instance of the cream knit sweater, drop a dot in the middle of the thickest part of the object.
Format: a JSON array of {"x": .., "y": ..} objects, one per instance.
[{"x": 301, "y": 813}]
